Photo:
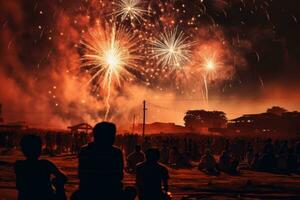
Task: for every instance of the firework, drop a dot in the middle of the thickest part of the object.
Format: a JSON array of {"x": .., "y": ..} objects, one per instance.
[
  {"x": 131, "y": 9},
  {"x": 110, "y": 56},
  {"x": 209, "y": 66},
  {"x": 171, "y": 48}
]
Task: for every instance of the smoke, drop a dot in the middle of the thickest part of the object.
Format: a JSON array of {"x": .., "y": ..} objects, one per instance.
[{"x": 40, "y": 81}]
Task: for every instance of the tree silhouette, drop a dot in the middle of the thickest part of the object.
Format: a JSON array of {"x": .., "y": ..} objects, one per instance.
[
  {"x": 277, "y": 110},
  {"x": 194, "y": 119}
]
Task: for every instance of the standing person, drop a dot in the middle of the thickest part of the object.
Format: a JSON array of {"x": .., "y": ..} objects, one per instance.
[
  {"x": 152, "y": 177},
  {"x": 33, "y": 176},
  {"x": 134, "y": 158},
  {"x": 146, "y": 144},
  {"x": 101, "y": 166},
  {"x": 164, "y": 154}
]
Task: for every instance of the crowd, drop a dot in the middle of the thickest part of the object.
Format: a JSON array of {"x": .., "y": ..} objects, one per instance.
[
  {"x": 100, "y": 171},
  {"x": 104, "y": 155}
]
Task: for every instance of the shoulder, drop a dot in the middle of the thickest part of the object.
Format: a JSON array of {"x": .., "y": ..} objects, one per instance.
[
  {"x": 18, "y": 164},
  {"x": 140, "y": 165},
  {"x": 163, "y": 168},
  {"x": 86, "y": 148},
  {"x": 48, "y": 164},
  {"x": 116, "y": 150}
]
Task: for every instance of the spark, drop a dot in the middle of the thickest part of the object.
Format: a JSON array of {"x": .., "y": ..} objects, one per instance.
[
  {"x": 110, "y": 56},
  {"x": 210, "y": 66},
  {"x": 131, "y": 9},
  {"x": 171, "y": 48}
]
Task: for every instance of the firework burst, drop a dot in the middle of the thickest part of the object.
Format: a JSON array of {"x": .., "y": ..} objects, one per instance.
[
  {"x": 111, "y": 54},
  {"x": 131, "y": 9},
  {"x": 209, "y": 67},
  {"x": 171, "y": 48}
]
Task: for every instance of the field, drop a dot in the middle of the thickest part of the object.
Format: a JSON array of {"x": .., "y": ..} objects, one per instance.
[{"x": 184, "y": 182}]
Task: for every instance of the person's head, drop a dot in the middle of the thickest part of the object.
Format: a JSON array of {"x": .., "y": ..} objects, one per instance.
[
  {"x": 207, "y": 152},
  {"x": 224, "y": 152},
  {"x": 31, "y": 146},
  {"x": 104, "y": 133},
  {"x": 152, "y": 155},
  {"x": 137, "y": 148},
  {"x": 269, "y": 140}
]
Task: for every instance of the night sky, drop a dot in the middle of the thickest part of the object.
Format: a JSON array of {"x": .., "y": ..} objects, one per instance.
[{"x": 40, "y": 56}]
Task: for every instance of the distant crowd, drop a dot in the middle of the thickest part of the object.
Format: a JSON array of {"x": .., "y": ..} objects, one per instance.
[{"x": 103, "y": 156}]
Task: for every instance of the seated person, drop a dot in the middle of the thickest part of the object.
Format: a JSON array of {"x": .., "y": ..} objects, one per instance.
[
  {"x": 151, "y": 176},
  {"x": 282, "y": 164},
  {"x": 234, "y": 163},
  {"x": 255, "y": 162},
  {"x": 267, "y": 162},
  {"x": 224, "y": 162},
  {"x": 174, "y": 157},
  {"x": 292, "y": 161},
  {"x": 33, "y": 175},
  {"x": 101, "y": 166},
  {"x": 134, "y": 158},
  {"x": 208, "y": 163}
]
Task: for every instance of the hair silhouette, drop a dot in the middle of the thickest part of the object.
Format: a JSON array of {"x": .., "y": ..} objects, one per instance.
[
  {"x": 104, "y": 134},
  {"x": 37, "y": 179},
  {"x": 101, "y": 166},
  {"x": 31, "y": 146}
]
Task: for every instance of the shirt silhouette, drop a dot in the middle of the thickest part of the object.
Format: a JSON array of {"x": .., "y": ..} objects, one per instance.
[
  {"x": 101, "y": 165},
  {"x": 151, "y": 176},
  {"x": 33, "y": 176},
  {"x": 134, "y": 158}
]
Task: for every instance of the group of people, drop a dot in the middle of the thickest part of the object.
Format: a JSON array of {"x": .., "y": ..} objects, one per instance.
[
  {"x": 276, "y": 157},
  {"x": 101, "y": 164},
  {"x": 227, "y": 163},
  {"x": 100, "y": 172}
]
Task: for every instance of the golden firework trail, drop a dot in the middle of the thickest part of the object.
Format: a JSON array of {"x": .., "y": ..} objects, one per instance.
[
  {"x": 110, "y": 55},
  {"x": 209, "y": 66}
]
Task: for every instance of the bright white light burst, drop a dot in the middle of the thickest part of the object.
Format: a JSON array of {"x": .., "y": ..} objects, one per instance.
[
  {"x": 110, "y": 55},
  {"x": 172, "y": 49},
  {"x": 131, "y": 9}
]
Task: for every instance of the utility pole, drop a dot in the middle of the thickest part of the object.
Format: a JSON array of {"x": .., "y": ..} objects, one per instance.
[
  {"x": 1, "y": 119},
  {"x": 144, "y": 117},
  {"x": 133, "y": 123}
]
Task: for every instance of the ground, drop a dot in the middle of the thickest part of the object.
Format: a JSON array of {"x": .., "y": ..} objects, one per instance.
[{"x": 183, "y": 182}]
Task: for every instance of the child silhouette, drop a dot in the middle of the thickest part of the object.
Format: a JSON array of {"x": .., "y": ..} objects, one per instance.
[{"x": 33, "y": 176}]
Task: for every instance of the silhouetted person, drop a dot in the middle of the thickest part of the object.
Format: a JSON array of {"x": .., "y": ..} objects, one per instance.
[
  {"x": 297, "y": 152},
  {"x": 174, "y": 156},
  {"x": 33, "y": 176},
  {"x": 255, "y": 162},
  {"x": 146, "y": 144},
  {"x": 249, "y": 155},
  {"x": 164, "y": 158},
  {"x": 151, "y": 176},
  {"x": 101, "y": 166},
  {"x": 267, "y": 161},
  {"x": 208, "y": 163},
  {"x": 224, "y": 162},
  {"x": 292, "y": 161},
  {"x": 134, "y": 158},
  {"x": 234, "y": 163}
]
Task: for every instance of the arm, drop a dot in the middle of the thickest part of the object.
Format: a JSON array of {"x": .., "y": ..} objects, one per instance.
[
  {"x": 121, "y": 167},
  {"x": 19, "y": 183},
  {"x": 165, "y": 179},
  {"x": 60, "y": 177},
  {"x": 139, "y": 182},
  {"x": 166, "y": 185}
]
